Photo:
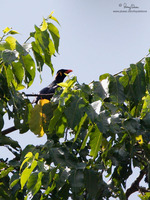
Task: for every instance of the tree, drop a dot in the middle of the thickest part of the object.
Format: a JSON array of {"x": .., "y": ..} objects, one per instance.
[{"x": 95, "y": 136}]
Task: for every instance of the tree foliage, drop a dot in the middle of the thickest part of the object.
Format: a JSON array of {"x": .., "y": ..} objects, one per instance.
[{"x": 96, "y": 136}]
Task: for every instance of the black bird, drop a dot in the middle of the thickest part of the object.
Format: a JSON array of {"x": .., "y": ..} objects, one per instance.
[{"x": 50, "y": 89}]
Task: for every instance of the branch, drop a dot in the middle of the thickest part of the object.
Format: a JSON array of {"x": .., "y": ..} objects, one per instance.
[
  {"x": 135, "y": 185},
  {"x": 8, "y": 130},
  {"x": 39, "y": 95},
  {"x": 136, "y": 64}
]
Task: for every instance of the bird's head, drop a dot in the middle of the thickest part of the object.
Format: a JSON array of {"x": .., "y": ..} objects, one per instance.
[{"x": 61, "y": 74}]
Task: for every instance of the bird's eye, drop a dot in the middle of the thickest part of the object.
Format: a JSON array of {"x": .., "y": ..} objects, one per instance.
[{"x": 60, "y": 73}]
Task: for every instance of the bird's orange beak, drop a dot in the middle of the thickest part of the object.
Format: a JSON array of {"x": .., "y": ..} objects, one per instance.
[{"x": 68, "y": 71}]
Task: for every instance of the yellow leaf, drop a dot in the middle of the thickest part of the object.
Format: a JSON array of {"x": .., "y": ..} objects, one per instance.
[
  {"x": 36, "y": 156},
  {"x": 53, "y": 18},
  {"x": 44, "y": 25},
  {"x": 27, "y": 156},
  {"x": 11, "y": 41},
  {"x": 37, "y": 118},
  {"x": 35, "y": 123},
  {"x": 6, "y": 30},
  {"x": 13, "y": 32},
  {"x": 139, "y": 139},
  {"x": 51, "y": 14},
  {"x": 63, "y": 84},
  {"x": 19, "y": 86}
]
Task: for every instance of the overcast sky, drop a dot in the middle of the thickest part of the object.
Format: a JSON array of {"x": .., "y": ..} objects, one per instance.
[{"x": 97, "y": 37}]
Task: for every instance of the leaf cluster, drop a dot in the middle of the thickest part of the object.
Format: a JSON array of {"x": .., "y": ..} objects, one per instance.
[
  {"x": 97, "y": 133},
  {"x": 18, "y": 68}
]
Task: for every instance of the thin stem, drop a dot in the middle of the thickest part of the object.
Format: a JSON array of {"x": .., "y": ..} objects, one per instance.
[
  {"x": 27, "y": 39},
  {"x": 136, "y": 63},
  {"x": 143, "y": 58},
  {"x": 38, "y": 95}
]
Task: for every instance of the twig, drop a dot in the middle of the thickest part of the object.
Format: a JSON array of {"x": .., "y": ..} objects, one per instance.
[
  {"x": 118, "y": 73},
  {"x": 27, "y": 39},
  {"x": 136, "y": 63},
  {"x": 143, "y": 58},
  {"x": 8, "y": 130},
  {"x": 135, "y": 185},
  {"x": 38, "y": 95}
]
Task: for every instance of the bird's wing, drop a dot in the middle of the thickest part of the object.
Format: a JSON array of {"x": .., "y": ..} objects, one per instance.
[{"x": 47, "y": 90}]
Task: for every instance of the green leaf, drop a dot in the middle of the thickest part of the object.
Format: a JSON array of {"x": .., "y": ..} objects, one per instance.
[
  {"x": 13, "y": 183},
  {"x": 4, "y": 91},
  {"x": 76, "y": 107},
  {"x": 64, "y": 174},
  {"x": 9, "y": 56},
  {"x": 145, "y": 196},
  {"x": 34, "y": 182},
  {"x": 98, "y": 89},
  {"x": 9, "y": 75},
  {"x": 8, "y": 141},
  {"x": 95, "y": 141},
  {"x": 104, "y": 76},
  {"x": 96, "y": 105},
  {"x": 58, "y": 121},
  {"x": 2, "y": 165},
  {"x": 92, "y": 182},
  {"x": 80, "y": 126},
  {"x": 91, "y": 112},
  {"x": 76, "y": 180},
  {"x": 55, "y": 35},
  {"x": 62, "y": 156},
  {"x": 57, "y": 114},
  {"x": 29, "y": 67},
  {"x": 146, "y": 106},
  {"x": 147, "y": 75},
  {"x": 133, "y": 82},
  {"x": 50, "y": 189},
  {"x": 21, "y": 50},
  {"x": 146, "y": 121},
  {"x": 102, "y": 122},
  {"x": 4, "y": 46},
  {"x": 116, "y": 90},
  {"x": 26, "y": 173},
  {"x": 131, "y": 126},
  {"x": 38, "y": 57},
  {"x": 86, "y": 137},
  {"x": 5, "y": 172},
  {"x": 45, "y": 46},
  {"x": 18, "y": 71}
]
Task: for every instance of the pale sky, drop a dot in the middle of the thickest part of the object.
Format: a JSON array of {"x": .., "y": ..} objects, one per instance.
[{"x": 94, "y": 38}]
